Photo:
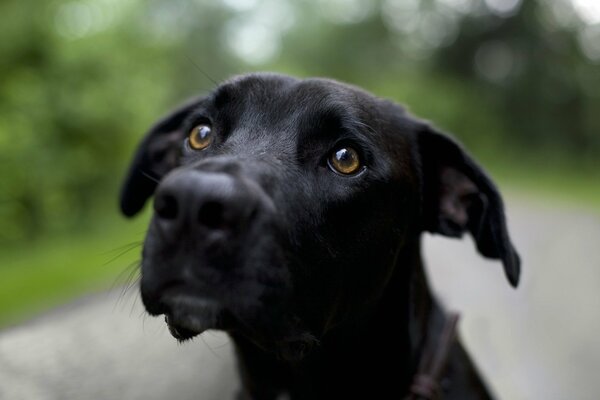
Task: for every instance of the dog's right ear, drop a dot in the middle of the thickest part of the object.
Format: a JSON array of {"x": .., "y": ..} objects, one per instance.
[
  {"x": 157, "y": 154},
  {"x": 458, "y": 197}
]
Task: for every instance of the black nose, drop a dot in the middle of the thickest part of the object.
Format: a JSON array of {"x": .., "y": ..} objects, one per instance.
[{"x": 203, "y": 200}]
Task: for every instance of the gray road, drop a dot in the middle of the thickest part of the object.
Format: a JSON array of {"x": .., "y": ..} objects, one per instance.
[{"x": 539, "y": 342}]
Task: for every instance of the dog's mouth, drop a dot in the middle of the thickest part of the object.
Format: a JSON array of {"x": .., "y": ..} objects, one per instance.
[
  {"x": 180, "y": 332},
  {"x": 188, "y": 316}
]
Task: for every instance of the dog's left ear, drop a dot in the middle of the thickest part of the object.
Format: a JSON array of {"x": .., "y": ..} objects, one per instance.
[
  {"x": 156, "y": 155},
  {"x": 458, "y": 196}
]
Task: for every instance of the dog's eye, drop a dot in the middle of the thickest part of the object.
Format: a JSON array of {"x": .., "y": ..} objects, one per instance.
[
  {"x": 200, "y": 137},
  {"x": 345, "y": 161}
]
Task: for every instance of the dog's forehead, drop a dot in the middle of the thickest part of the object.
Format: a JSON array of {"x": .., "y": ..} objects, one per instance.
[
  {"x": 272, "y": 98},
  {"x": 267, "y": 85},
  {"x": 272, "y": 104}
]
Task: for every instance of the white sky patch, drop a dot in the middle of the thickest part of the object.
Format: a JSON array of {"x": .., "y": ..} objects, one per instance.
[
  {"x": 77, "y": 19},
  {"x": 254, "y": 43},
  {"x": 401, "y": 15},
  {"x": 589, "y": 40},
  {"x": 346, "y": 11},
  {"x": 462, "y": 6},
  {"x": 255, "y": 36},
  {"x": 241, "y": 5},
  {"x": 421, "y": 28},
  {"x": 587, "y": 10},
  {"x": 503, "y": 7}
]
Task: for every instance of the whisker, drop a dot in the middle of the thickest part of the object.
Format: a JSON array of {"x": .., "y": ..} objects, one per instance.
[
  {"x": 135, "y": 299},
  {"x": 209, "y": 347},
  {"x": 134, "y": 282},
  {"x": 126, "y": 249},
  {"x": 119, "y": 248},
  {"x": 130, "y": 269},
  {"x": 126, "y": 291},
  {"x": 130, "y": 281},
  {"x": 202, "y": 71},
  {"x": 364, "y": 124},
  {"x": 152, "y": 178}
]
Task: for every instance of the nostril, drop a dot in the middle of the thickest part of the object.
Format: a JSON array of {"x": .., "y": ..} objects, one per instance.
[
  {"x": 166, "y": 207},
  {"x": 212, "y": 215}
]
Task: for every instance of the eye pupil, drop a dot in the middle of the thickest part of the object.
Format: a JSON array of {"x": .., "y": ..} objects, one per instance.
[
  {"x": 200, "y": 137},
  {"x": 345, "y": 161}
]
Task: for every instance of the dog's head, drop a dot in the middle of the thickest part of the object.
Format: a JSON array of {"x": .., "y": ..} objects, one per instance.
[{"x": 280, "y": 206}]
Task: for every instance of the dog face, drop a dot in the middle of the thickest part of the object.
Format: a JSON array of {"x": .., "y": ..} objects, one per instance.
[{"x": 280, "y": 206}]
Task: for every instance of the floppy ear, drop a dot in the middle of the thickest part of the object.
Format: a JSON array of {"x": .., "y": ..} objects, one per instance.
[
  {"x": 458, "y": 196},
  {"x": 156, "y": 155}
]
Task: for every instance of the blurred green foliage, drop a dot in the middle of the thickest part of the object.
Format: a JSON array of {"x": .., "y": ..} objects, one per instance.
[
  {"x": 69, "y": 266},
  {"x": 81, "y": 80}
]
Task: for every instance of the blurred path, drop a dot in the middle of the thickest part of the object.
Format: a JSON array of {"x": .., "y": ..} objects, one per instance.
[
  {"x": 104, "y": 347},
  {"x": 539, "y": 342}
]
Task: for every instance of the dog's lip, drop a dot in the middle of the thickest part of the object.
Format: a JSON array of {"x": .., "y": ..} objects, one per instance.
[
  {"x": 179, "y": 332},
  {"x": 188, "y": 316}
]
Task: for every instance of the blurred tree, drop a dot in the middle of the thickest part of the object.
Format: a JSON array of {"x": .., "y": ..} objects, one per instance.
[
  {"x": 81, "y": 80},
  {"x": 530, "y": 68},
  {"x": 72, "y": 93}
]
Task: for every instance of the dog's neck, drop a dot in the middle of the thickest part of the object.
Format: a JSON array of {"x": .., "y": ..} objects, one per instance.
[
  {"x": 408, "y": 315},
  {"x": 406, "y": 320},
  {"x": 425, "y": 315},
  {"x": 420, "y": 317},
  {"x": 382, "y": 348}
]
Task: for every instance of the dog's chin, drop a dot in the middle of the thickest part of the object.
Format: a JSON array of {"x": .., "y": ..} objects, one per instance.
[{"x": 192, "y": 316}]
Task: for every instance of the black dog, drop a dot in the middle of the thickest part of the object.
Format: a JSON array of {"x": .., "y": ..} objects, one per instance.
[{"x": 288, "y": 213}]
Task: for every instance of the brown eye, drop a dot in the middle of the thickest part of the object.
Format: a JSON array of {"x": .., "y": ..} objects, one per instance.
[
  {"x": 345, "y": 161},
  {"x": 200, "y": 137}
]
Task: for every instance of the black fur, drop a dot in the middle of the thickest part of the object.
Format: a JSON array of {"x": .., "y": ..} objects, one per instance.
[{"x": 316, "y": 276}]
